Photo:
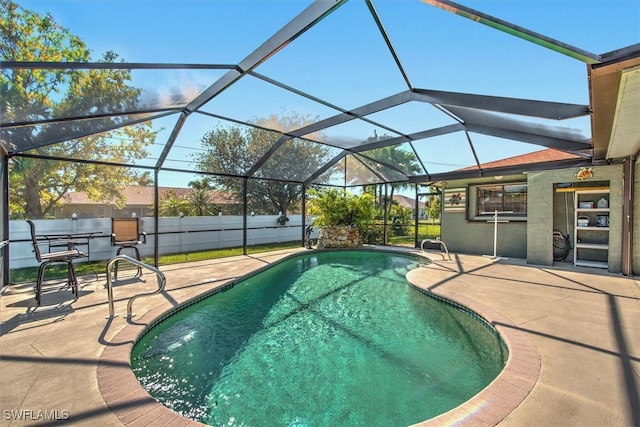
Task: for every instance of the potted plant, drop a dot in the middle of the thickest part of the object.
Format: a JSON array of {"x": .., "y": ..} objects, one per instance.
[{"x": 341, "y": 216}]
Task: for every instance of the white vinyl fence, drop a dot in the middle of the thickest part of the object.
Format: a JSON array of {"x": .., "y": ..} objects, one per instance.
[{"x": 175, "y": 235}]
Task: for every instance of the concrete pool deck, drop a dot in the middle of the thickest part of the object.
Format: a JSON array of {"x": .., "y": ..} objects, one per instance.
[{"x": 65, "y": 360}]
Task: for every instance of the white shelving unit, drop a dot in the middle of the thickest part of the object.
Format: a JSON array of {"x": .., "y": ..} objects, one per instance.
[{"x": 591, "y": 241}]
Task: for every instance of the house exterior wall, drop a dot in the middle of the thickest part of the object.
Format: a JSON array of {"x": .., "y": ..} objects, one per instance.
[
  {"x": 477, "y": 237},
  {"x": 540, "y": 212},
  {"x": 547, "y": 211},
  {"x": 95, "y": 210}
]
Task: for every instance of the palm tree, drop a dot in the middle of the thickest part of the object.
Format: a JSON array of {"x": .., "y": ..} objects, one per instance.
[
  {"x": 172, "y": 204},
  {"x": 199, "y": 197},
  {"x": 199, "y": 201},
  {"x": 405, "y": 160}
]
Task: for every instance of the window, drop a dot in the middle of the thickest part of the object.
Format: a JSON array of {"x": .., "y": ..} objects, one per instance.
[{"x": 508, "y": 200}]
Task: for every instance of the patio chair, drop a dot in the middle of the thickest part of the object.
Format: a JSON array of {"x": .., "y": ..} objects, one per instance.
[
  {"x": 126, "y": 234},
  {"x": 60, "y": 257}
]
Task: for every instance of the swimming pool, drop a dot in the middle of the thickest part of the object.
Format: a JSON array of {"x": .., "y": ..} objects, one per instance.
[{"x": 324, "y": 338}]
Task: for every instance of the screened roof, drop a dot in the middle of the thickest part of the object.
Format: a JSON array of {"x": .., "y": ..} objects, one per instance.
[{"x": 383, "y": 91}]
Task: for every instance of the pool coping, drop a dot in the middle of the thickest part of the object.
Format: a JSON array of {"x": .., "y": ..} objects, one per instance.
[{"x": 134, "y": 406}]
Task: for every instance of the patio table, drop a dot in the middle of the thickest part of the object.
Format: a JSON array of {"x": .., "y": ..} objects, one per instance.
[{"x": 70, "y": 239}]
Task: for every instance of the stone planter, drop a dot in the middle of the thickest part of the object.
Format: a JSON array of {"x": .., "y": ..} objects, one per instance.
[{"x": 341, "y": 236}]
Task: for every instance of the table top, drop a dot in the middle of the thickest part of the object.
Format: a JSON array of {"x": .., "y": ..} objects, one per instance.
[{"x": 70, "y": 235}]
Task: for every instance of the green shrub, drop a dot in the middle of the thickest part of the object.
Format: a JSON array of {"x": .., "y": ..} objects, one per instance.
[
  {"x": 332, "y": 207},
  {"x": 373, "y": 234},
  {"x": 401, "y": 220}
]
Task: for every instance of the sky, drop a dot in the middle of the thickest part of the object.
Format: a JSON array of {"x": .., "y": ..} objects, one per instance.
[
  {"x": 224, "y": 31},
  {"x": 344, "y": 59}
]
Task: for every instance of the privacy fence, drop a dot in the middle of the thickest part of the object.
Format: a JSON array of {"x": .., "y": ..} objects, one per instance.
[{"x": 175, "y": 235}]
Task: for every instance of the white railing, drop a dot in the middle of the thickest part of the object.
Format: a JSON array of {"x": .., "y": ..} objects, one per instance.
[{"x": 175, "y": 235}]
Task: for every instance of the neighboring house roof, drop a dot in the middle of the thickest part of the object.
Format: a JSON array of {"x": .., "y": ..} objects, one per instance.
[
  {"x": 407, "y": 202},
  {"x": 144, "y": 196},
  {"x": 542, "y": 156}
]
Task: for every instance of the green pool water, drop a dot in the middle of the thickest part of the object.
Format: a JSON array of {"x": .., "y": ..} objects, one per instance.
[{"x": 322, "y": 339}]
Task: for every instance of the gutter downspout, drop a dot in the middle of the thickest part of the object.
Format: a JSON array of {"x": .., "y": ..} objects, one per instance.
[{"x": 627, "y": 215}]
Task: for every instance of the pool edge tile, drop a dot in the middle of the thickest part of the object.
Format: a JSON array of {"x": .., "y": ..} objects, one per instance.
[{"x": 518, "y": 377}]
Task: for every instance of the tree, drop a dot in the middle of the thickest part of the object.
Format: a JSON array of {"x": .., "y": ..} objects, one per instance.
[
  {"x": 198, "y": 197},
  {"x": 365, "y": 171},
  {"x": 31, "y": 95},
  {"x": 232, "y": 151},
  {"x": 404, "y": 160},
  {"x": 173, "y": 204},
  {"x": 401, "y": 219},
  {"x": 199, "y": 202},
  {"x": 433, "y": 205}
]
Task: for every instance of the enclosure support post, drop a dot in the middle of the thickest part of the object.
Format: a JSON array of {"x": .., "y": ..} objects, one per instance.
[
  {"x": 156, "y": 220},
  {"x": 416, "y": 222},
  {"x": 304, "y": 213},
  {"x": 244, "y": 215},
  {"x": 385, "y": 236},
  {"x": 4, "y": 244}
]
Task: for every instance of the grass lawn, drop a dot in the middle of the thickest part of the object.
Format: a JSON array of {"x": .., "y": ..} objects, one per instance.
[{"x": 425, "y": 231}]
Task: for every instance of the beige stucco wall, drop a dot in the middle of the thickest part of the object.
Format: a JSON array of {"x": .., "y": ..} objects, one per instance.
[{"x": 540, "y": 209}]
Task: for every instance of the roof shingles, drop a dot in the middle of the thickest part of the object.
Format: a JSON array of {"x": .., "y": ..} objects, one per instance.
[{"x": 542, "y": 156}]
